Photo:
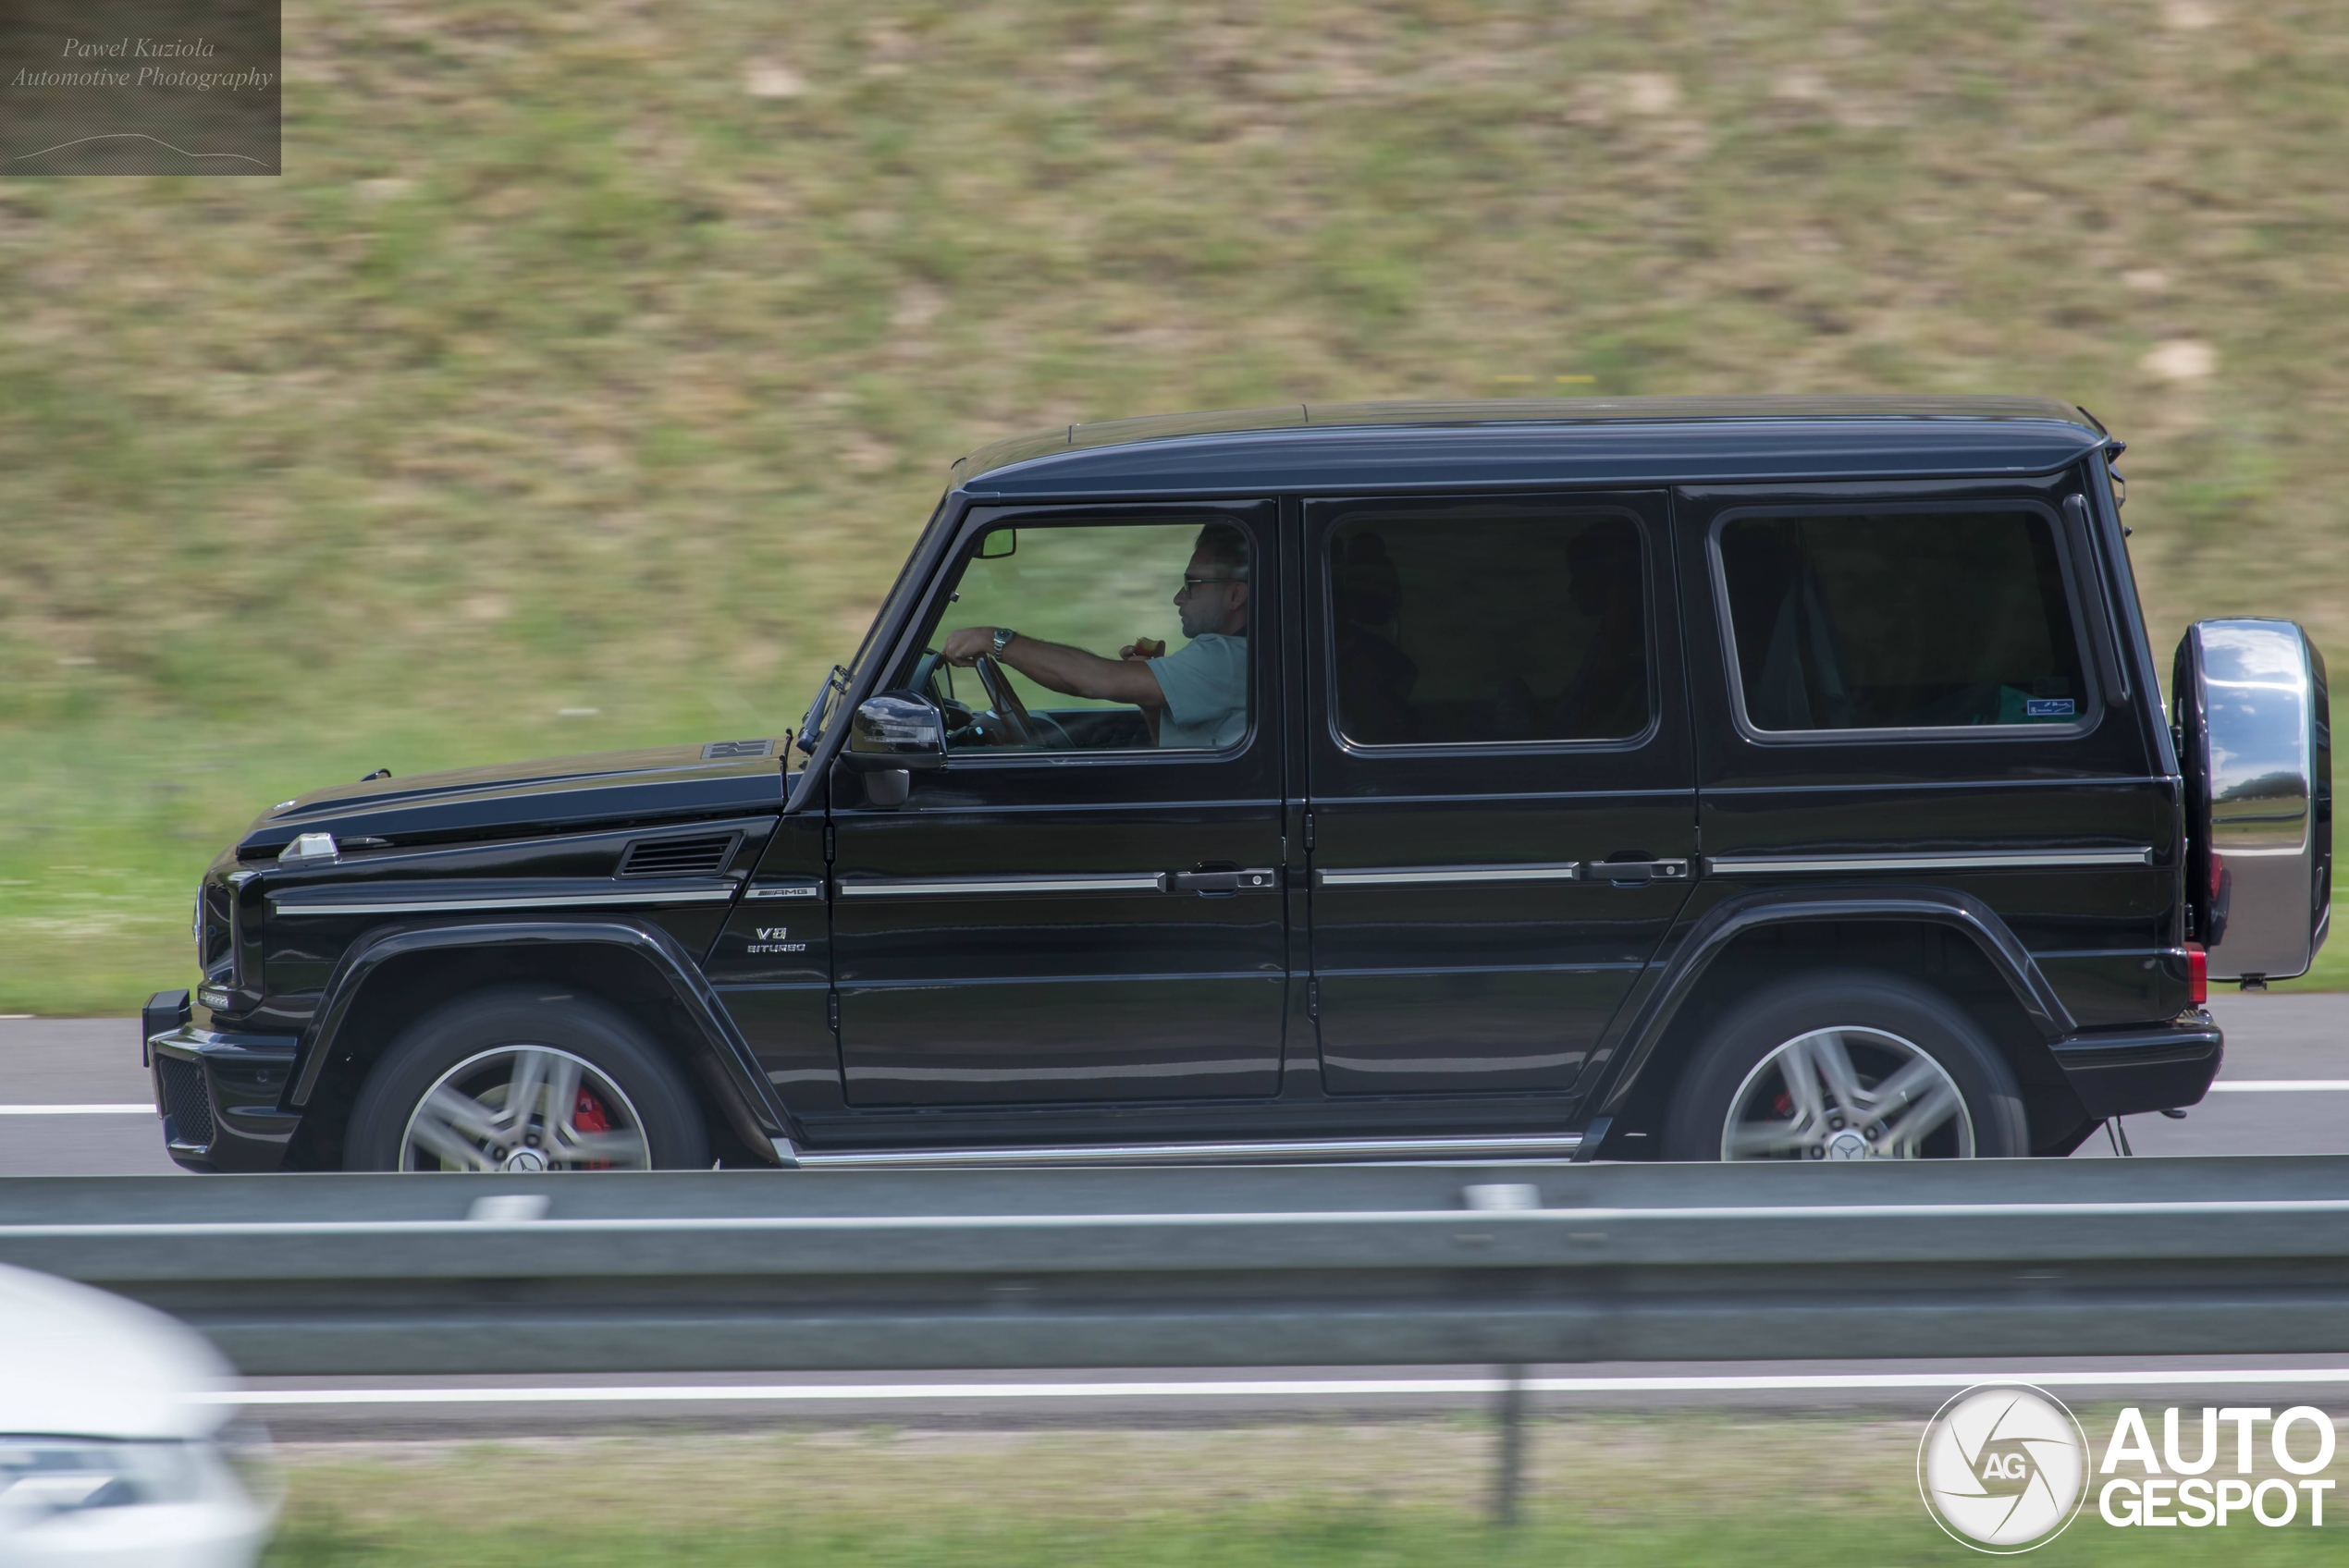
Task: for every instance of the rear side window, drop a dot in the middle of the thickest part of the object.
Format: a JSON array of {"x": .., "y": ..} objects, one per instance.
[
  {"x": 1463, "y": 627},
  {"x": 1903, "y": 620}
]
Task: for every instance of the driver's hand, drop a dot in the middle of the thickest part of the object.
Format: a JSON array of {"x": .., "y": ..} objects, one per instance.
[{"x": 964, "y": 645}]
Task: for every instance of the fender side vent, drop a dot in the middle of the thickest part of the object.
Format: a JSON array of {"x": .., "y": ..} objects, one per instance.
[
  {"x": 184, "y": 1100},
  {"x": 716, "y": 751},
  {"x": 705, "y": 856}
]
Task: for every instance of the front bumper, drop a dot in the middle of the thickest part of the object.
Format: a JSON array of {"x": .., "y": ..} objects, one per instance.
[
  {"x": 217, "y": 1090},
  {"x": 2157, "y": 1067}
]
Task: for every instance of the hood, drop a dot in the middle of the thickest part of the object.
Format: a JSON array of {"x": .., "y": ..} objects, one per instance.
[
  {"x": 652, "y": 784},
  {"x": 84, "y": 1364}
]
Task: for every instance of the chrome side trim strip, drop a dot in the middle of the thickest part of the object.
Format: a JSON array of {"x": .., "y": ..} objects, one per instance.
[
  {"x": 1406, "y": 876},
  {"x": 908, "y": 888},
  {"x": 1989, "y": 860},
  {"x": 561, "y": 901},
  {"x": 1519, "y": 1147}
]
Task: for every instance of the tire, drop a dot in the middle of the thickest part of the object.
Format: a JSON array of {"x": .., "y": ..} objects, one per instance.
[
  {"x": 631, "y": 1110},
  {"x": 1772, "y": 1063}
]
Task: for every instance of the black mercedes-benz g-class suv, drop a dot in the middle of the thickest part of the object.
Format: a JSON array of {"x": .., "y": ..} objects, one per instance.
[{"x": 1779, "y": 778}]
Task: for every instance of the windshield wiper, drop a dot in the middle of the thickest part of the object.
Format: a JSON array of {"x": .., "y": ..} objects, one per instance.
[{"x": 811, "y": 728}]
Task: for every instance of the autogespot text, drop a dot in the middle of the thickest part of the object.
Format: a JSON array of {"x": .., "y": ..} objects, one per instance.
[{"x": 2175, "y": 1488}]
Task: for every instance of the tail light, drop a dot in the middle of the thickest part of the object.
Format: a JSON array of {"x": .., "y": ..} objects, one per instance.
[{"x": 2197, "y": 974}]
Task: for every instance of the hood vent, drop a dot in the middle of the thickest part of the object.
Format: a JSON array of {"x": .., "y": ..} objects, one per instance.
[
  {"x": 718, "y": 751},
  {"x": 705, "y": 856}
]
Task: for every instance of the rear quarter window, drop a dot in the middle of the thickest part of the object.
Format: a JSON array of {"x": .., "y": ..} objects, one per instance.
[{"x": 1901, "y": 621}]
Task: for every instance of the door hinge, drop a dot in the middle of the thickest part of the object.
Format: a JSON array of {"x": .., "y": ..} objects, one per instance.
[
  {"x": 1308, "y": 832},
  {"x": 828, "y": 843},
  {"x": 832, "y": 1011},
  {"x": 1313, "y": 1000}
]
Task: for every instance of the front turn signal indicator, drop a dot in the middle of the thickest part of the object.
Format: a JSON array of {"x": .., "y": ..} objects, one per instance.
[{"x": 2197, "y": 974}]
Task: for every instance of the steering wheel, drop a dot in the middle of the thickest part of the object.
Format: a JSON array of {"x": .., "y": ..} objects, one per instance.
[
  {"x": 959, "y": 721},
  {"x": 926, "y": 671},
  {"x": 1018, "y": 728}
]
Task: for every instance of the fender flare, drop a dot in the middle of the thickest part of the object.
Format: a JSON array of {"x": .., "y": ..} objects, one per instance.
[
  {"x": 1742, "y": 916},
  {"x": 756, "y": 1101}
]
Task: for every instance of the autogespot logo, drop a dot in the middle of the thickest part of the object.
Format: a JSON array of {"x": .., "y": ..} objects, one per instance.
[{"x": 2003, "y": 1467}]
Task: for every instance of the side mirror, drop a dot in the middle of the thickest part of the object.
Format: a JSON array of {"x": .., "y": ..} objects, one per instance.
[
  {"x": 1003, "y": 542},
  {"x": 896, "y": 729}
]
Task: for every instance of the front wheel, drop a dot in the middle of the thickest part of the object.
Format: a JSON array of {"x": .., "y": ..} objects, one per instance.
[
  {"x": 518, "y": 1081},
  {"x": 1846, "y": 1064}
]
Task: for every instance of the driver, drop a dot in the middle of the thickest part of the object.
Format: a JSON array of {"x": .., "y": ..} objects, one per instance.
[{"x": 1195, "y": 697}]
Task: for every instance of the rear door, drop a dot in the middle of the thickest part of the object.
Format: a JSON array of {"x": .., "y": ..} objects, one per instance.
[
  {"x": 1503, "y": 809},
  {"x": 1917, "y": 684}
]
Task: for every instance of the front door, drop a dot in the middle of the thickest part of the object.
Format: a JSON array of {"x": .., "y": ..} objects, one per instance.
[
  {"x": 1503, "y": 808},
  {"x": 1083, "y": 905}
]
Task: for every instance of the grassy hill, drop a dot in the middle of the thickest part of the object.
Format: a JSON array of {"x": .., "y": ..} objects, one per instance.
[{"x": 606, "y": 356}]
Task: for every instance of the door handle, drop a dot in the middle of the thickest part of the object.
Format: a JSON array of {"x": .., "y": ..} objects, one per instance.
[
  {"x": 1212, "y": 883},
  {"x": 1638, "y": 873}
]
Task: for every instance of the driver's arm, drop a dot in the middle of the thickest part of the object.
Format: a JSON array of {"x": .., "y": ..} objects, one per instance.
[{"x": 1063, "y": 668}]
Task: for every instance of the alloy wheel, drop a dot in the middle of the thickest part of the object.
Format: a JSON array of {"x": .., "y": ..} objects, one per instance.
[
  {"x": 1847, "y": 1093},
  {"x": 525, "y": 1108}
]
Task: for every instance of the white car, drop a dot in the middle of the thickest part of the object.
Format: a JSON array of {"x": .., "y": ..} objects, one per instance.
[{"x": 114, "y": 1440}]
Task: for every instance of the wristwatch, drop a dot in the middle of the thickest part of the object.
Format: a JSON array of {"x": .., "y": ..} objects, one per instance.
[{"x": 1004, "y": 635}]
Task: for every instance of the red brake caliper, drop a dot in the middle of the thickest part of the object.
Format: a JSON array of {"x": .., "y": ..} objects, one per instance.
[{"x": 588, "y": 1115}]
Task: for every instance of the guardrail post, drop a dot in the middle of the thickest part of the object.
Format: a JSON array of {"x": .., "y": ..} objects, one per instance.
[{"x": 1508, "y": 1474}]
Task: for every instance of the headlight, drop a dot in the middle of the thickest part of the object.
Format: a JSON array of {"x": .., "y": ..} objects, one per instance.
[
  {"x": 208, "y": 932},
  {"x": 214, "y": 930},
  {"x": 42, "y": 1477},
  {"x": 167, "y": 1504}
]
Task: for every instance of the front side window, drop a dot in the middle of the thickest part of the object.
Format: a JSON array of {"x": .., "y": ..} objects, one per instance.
[
  {"x": 1901, "y": 620},
  {"x": 1478, "y": 626},
  {"x": 1126, "y": 636}
]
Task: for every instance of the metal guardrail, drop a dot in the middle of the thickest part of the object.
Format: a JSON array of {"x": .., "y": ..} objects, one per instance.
[{"x": 1351, "y": 1265}]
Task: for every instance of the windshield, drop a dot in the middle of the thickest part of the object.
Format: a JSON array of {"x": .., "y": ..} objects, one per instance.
[{"x": 842, "y": 677}]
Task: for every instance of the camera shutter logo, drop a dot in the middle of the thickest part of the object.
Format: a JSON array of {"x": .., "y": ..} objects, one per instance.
[{"x": 2003, "y": 1467}]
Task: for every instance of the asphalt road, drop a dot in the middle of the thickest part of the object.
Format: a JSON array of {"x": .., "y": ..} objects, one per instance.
[
  {"x": 93, "y": 1064},
  {"x": 71, "y": 1093},
  {"x": 79, "y": 1063},
  {"x": 379, "y": 1409}
]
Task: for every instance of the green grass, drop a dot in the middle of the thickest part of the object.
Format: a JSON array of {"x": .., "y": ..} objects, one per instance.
[
  {"x": 564, "y": 370},
  {"x": 1270, "y": 1539},
  {"x": 1648, "y": 1492}
]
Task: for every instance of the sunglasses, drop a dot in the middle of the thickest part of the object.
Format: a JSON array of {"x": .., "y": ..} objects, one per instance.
[{"x": 1190, "y": 582}]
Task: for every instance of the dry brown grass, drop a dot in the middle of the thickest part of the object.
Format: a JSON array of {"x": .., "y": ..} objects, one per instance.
[{"x": 1622, "y": 1469}]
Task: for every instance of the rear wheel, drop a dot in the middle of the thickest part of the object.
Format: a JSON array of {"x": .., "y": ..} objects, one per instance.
[
  {"x": 1846, "y": 1064},
  {"x": 519, "y": 1081}
]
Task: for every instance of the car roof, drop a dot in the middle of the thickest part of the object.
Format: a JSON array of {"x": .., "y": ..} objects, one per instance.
[{"x": 1548, "y": 441}]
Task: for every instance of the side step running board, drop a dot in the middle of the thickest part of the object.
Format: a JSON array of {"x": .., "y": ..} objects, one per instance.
[{"x": 1484, "y": 1150}]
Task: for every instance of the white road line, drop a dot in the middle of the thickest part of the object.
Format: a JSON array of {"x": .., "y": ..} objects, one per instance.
[
  {"x": 2279, "y": 1085},
  {"x": 77, "y": 1110},
  {"x": 801, "y": 1393}
]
